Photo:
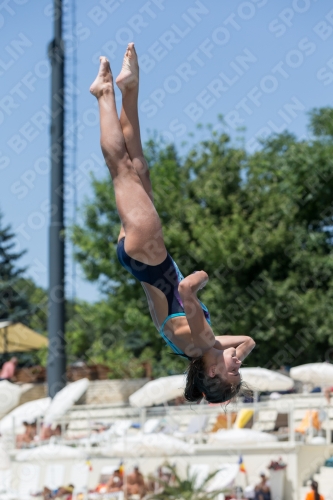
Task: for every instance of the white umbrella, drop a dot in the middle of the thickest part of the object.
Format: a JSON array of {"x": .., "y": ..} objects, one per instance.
[
  {"x": 157, "y": 445},
  {"x": 241, "y": 436},
  {"x": 320, "y": 374},
  {"x": 65, "y": 399},
  {"x": 28, "y": 412},
  {"x": 50, "y": 452},
  {"x": 261, "y": 379},
  {"x": 224, "y": 478},
  {"x": 9, "y": 396},
  {"x": 158, "y": 391}
]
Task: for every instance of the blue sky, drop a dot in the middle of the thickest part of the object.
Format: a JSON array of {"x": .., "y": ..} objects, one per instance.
[{"x": 262, "y": 64}]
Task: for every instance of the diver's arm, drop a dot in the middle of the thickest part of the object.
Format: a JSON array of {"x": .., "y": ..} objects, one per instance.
[
  {"x": 245, "y": 348},
  {"x": 241, "y": 343},
  {"x": 227, "y": 341},
  {"x": 194, "y": 282},
  {"x": 202, "y": 335}
]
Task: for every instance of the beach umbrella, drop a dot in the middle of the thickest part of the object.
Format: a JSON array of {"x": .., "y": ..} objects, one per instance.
[
  {"x": 16, "y": 337},
  {"x": 320, "y": 374},
  {"x": 159, "y": 445},
  {"x": 224, "y": 478},
  {"x": 158, "y": 391},
  {"x": 50, "y": 452},
  {"x": 9, "y": 396},
  {"x": 65, "y": 399},
  {"x": 28, "y": 412},
  {"x": 262, "y": 380},
  {"x": 241, "y": 436}
]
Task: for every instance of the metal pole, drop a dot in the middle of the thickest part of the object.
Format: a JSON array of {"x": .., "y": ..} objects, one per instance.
[
  {"x": 56, "y": 368},
  {"x": 5, "y": 341},
  {"x": 291, "y": 423},
  {"x": 328, "y": 426}
]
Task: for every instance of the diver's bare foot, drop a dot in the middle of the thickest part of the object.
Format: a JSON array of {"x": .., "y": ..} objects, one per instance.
[
  {"x": 103, "y": 81},
  {"x": 128, "y": 78}
]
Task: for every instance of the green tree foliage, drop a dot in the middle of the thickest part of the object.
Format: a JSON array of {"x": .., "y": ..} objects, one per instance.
[
  {"x": 14, "y": 305},
  {"x": 260, "y": 224},
  {"x": 188, "y": 488},
  {"x": 37, "y": 298}
]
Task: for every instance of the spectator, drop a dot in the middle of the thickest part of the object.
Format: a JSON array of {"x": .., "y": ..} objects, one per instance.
[
  {"x": 47, "y": 432},
  {"x": 115, "y": 483},
  {"x": 157, "y": 481},
  {"x": 313, "y": 494},
  {"x": 180, "y": 400},
  {"x": 8, "y": 370},
  {"x": 262, "y": 490},
  {"x": 135, "y": 483},
  {"x": 62, "y": 491},
  {"x": 28, "y": 436}
]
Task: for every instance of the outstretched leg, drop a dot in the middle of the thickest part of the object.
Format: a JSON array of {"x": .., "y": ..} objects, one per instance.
[
  {"x": 128, "y": 82},
  {"x": 144, "y": 238}
]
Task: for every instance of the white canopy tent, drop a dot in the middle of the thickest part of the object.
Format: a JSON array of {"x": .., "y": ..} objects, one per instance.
[{"x": 16, "y": 337}]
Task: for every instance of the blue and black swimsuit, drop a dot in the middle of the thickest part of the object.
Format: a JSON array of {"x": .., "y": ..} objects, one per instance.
[{"x": 166, "y": 277}]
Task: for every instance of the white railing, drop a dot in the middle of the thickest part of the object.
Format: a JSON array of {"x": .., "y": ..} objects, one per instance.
[{"x": 87, "y": 416}]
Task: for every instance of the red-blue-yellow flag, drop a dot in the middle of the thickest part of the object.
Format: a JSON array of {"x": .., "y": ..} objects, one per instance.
[{"x": 241, "y": 464}]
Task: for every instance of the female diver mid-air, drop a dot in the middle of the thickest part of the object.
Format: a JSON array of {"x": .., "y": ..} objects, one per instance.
[{"x": 181, "y": 319}]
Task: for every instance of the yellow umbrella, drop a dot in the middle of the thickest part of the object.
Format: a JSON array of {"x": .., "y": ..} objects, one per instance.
[{"x": 16, "y": 337}]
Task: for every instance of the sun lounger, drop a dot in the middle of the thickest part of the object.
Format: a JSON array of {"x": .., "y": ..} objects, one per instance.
[
  {"x": 27, "y": 484},
  {"x": 54, "y": 476},
  {"x": 264, "y": 420},
  {"x": 310, "y": 421},
  {"x": 5, "y": 484},
  {"x": 195, "y": 427},
  {"x": 244, "y": 416},
  {"x": 79, "y": 479},
  {"x": 151, "y": 425}
]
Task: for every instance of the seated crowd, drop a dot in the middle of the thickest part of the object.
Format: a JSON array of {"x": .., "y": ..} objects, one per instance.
[
  {"x": 133, "y": 485},
  {"x": 31, "y": 434}
]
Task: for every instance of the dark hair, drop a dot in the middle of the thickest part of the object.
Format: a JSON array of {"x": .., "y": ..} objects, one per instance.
[
  {"x": 214, "y": 389},
  {"x": 314, "y": 486}
]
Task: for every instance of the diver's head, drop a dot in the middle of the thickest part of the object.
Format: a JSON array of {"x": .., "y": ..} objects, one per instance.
[{"x": 214, "y": 376}]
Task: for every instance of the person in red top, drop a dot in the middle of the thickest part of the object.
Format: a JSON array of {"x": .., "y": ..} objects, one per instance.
[
  {"x": 313, "y": 494},
  {"x": 8, "y": 369}
]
